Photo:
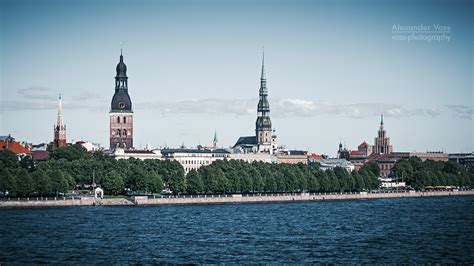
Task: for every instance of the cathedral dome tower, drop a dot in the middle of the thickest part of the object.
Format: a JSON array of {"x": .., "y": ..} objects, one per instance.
[{"x": 121, "y": 113}]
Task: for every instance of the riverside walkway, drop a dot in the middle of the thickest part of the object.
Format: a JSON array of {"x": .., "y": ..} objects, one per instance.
[{"x": 219, "y": 199}]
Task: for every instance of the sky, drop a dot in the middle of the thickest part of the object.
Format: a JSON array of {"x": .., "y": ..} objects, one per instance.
[{"x": 332, "y": 68}]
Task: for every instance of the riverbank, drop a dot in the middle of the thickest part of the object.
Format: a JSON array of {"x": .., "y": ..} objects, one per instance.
[{"x": 220, "y": 199}]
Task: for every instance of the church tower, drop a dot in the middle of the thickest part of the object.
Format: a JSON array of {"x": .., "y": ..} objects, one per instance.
[
  {"x": 263, "y": 125},
  {"x": 59, "y": 128},
  {"x": 382, "y": 142},
  {"x": 121, "y": 113}
]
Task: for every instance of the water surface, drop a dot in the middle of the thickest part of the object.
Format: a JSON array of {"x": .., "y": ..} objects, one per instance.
[{"x": 406, "y": 230}]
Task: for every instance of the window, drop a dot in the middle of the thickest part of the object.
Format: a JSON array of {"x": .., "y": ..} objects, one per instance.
[
  {"x": 118, "y": 132},
  {"x": 118, "y": 119},
  {"x": 125, "y": 132},
  {"x": 124, "y": 119}
]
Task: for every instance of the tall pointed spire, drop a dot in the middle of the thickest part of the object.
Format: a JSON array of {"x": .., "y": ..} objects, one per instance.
[
  {"x": 60, "y": 113},
  {"x": 263, "y": 64},
  {"x": 215, "y": 139},
  {"x": 59, "y": 128}
]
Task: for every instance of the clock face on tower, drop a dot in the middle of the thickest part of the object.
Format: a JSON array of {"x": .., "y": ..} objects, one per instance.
[{"x": 121, "y": 105}]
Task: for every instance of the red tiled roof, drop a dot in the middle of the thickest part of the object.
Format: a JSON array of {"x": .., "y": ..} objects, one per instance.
[
  {"x": 315, "y": 156},
  {"x": 40, "y": 155},
  {"x": 14, "y": 147},
  {"x": 355, "y": 153},
  {"x": 364, "y": 144}
]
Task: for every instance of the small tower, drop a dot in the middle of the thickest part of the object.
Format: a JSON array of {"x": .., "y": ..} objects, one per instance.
[
  {"x": 121, "y": 113},
  {"x": 59, "y": 128},
  {"x": 263, "y": 125},
  {"x": 382, "y": 142},
  {"x": 215, "y": 140}
]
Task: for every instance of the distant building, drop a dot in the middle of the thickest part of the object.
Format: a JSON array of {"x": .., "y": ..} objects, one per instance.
[
  {"x": 342, "y": 152},
  {"x": 9, "y": 143},
  {"x": 292, "y": 156},
  {"x": 264, "y": 140},
  {"x": 59, "y": 129},
  {"x": 462, "y": 158},
  {"x": 121, "y": 153},
  {"x": 193, "y": 158},
  {"x": 333, "y": 163},
  {"x": 429, "y": 155},
  {"x": 89, "y": 146},
  {"x": 382, "y": 142},
  {"x": 121, "y": 113}
]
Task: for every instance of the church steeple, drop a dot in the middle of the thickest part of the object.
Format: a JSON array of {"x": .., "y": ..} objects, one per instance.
[
  {"x": 121, "y": 113},
  {"x": 263, "y": 125},
  {"x": 59, "y": 128}
]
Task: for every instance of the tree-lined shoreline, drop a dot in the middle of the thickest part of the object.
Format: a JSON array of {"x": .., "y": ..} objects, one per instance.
[{"x": 73, "y": 168}]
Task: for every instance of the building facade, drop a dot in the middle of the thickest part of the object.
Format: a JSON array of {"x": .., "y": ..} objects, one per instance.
[
  {"x": 382, "y": 142},
  {"x": 121, "y": 112},
  {"x": 59, "y": 129}
]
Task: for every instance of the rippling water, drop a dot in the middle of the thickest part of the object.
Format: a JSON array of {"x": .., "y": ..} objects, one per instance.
[{"x": 417, "y": 230}]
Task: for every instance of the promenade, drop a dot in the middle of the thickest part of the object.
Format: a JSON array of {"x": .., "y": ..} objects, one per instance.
[{"x": 219, "y": 199}]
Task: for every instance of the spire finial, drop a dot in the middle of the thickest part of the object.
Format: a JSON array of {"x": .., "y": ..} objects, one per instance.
[
  {"x": 121, "y": 47},
  {"x": 263, "y": 62},
  {"x": 381, "y": 119}
]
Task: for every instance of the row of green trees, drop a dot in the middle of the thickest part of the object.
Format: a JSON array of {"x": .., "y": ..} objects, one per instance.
[
  {"x": 420, "y": 174},
  {"x": 74, "y": 168},
  {"x": 243, "y": 177}
]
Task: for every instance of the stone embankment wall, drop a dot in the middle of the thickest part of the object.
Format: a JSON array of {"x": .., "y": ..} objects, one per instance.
[{"x": 212, "y": 199}]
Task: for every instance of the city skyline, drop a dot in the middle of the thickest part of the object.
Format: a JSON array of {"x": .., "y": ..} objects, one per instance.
[{"x": 184, "y": 92}]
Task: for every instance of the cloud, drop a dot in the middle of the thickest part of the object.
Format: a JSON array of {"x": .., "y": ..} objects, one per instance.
[
  {"x": 43, "y": 98},
  {"x": 214, "y": 106},
  {"x": 284, "y": 108},
  {"x": 461, "y": 111}
]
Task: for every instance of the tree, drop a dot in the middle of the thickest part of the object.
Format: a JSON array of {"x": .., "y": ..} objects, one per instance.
[
  {"x": 24, "y": 185},
  {"x": 334, "y": 184},
  {"x": 71, "y": 153},
  {"x": 359, "y": 184},
  {"x": 313, "y": 183},
  {"x": 246, "y": 181},
  {"x": 155, "y": 182},
  {"x": 42, "y": 182},
  {"x": 194, "y": 181},
  {"x": 7, "y": 182},
  {"x": 257, "y": 180},
  {"x": 113, "y": 183},
  {"x": 8, "y": 159},
  {"x": 373, "y": 167},
  {"x": 58, "y": 182},
  {"x": 27, "y": 162}
]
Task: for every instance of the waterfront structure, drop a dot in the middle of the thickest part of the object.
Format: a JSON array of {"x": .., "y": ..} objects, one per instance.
[
  {"x": 121, "y": 112},
  {"x": 59, "y": 129},
  {"x": 264, "y": 140},
  {"x": 382, "y": 142}
]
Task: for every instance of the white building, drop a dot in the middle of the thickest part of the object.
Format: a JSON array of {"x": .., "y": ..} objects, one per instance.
[
  {"x": 333, "y": 163},
  {"x": 194, "y": 158}
]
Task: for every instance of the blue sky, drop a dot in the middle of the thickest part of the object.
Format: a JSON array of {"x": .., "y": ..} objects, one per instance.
[{"x": 332, "y": 67}]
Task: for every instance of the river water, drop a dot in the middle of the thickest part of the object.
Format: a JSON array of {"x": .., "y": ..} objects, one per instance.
[{"x": 406, "y": 230}]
